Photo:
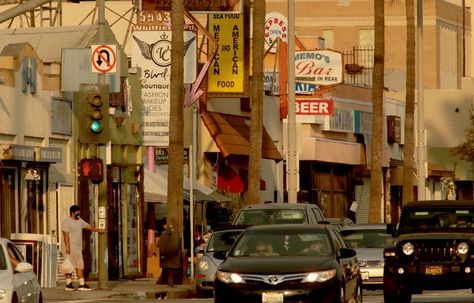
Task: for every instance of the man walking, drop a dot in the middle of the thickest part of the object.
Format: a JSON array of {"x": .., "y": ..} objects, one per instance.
[{"x": 72, "y": 232}]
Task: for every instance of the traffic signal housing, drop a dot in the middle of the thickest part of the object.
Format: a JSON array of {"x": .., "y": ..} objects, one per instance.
[
  {"x": 92, "y": 169},
  {"x": 91, "y": 105}
]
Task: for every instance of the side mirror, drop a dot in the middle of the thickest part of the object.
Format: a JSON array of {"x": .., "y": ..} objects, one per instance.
[
  {"x": 391, "y": 229},
  {"x": 220, "y": 255},
  {"x": 24, "y": 267},
  {"x": 345, "y": 253}
]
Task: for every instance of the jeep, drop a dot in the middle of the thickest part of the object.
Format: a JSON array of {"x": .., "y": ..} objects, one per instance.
[{"x": 434, "y": 249}]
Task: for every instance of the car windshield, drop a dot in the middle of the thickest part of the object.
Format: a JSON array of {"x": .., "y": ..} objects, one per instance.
[
  {"x": 223, "y": 240},
  {"x": 367, "y": 238},
  {"x": 268, "y": 243},
  {"x": 270, "y": 216},
  {"x": 418, "y": 220}
]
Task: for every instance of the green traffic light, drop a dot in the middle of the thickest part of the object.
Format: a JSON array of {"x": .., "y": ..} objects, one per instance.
[{"x": 96, "y": 127}]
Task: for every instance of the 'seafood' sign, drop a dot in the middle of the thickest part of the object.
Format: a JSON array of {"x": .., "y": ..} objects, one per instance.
[
  {"x": 314, "y": 107},
  {"x": 226, "y": 73},
  {"x": 319, "y": 67}
]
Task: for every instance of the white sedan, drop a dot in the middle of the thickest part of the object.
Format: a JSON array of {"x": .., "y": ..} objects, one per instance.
[{"x": 18, "y": 283}]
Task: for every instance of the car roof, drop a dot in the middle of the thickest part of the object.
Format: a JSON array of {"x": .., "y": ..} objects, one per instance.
[
  {"x": 278, "y": 206},
  {"x": 440, "y": 204},
  {"x": 291, "y": 227},
  {"x": 360, "y": 226}
]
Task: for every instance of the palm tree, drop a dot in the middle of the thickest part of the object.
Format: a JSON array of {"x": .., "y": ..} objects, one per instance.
[
  {"x": 256, "y": 117},
  {"x": 377, "y": 114},
  {"x": 176, "y": 122},
  {"x": 409, "y": 146}
]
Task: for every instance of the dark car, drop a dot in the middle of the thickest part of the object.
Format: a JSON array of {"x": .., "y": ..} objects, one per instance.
[
  {"x": 434, "y": 249},
  {"x": 288, "y": 263},
  {"x": 279, "y": 213}
]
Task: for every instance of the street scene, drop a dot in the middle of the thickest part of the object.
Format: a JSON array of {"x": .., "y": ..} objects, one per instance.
[{"x": 233, "y": 151}]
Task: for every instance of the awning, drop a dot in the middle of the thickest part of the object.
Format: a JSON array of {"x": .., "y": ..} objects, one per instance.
[
  {"x": 156, "y": 188},
  {"x": 232, "y": 135},
  {"x": 325, "y": 150}
]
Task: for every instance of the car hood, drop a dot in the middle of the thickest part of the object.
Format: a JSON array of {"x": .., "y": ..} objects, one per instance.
[
  {"x": 369, "y": 253},
  {"x": 436, "y": 236},
  {"x": 277, "y": 265}
]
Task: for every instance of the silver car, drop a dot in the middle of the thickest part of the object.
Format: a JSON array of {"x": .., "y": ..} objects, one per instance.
[
  {"x": 369, "y": 241},
  {"x": 18, "y": 283},
  {"x": 206, "y": 265}
]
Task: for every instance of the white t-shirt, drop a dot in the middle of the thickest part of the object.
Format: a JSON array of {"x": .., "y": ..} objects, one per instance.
[{"x": 74, "y": 228}]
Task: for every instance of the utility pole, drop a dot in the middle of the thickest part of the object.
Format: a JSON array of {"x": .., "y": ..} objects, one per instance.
[
  {"x": 102, "y": 241},
  {"x": 292, "y": 172},
  {"x": 421, "y": 146}
]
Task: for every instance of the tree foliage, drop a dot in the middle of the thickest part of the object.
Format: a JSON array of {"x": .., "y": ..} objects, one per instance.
[{"x": 465, "y": 150}]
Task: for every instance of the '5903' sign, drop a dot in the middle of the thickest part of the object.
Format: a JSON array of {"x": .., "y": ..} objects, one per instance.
[{"x": 319, "y": 67}]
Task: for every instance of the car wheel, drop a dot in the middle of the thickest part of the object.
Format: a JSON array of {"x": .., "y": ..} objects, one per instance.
[
  {"x": 393, "y": 292},
  {"x": 40, "y": 300},
  {"x": 14, "y": 298}
]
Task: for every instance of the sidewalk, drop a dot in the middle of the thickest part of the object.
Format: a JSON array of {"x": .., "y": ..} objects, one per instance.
[{"x": 143, "y": 288}]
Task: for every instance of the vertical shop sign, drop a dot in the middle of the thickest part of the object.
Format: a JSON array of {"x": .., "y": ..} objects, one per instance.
[
  {"x": 226, "y": 73},
  {"x": 151, "y": 51}
]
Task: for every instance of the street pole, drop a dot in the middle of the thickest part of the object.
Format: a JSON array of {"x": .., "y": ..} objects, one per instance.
[
  {"x": 292, "y": 173},
  {"x": 421, "y": 146},
  {"x": 102, "y": 241}
]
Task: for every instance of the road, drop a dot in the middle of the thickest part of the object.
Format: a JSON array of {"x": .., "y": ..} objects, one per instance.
[{"x": 369, "y": 297}]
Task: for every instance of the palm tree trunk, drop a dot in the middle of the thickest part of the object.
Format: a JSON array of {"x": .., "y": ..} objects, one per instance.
[
  {"x": 256, "y": 117},
  {"x": 176, "y": 123},
  {"x": 409, "y": 143},
  {"x": 376, "y": 189}
]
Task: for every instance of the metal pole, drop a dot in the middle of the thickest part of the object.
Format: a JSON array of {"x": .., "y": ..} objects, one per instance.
[
  {"x": 102, "y": 241},
  {"x": 191, "y": 209},
  {"x": 292, "y": 173},
  {"x": 421, "y": 150}
]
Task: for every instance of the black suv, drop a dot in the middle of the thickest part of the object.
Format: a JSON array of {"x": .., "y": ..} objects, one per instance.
[
  {"x": 279, "y": 213},
  {"x": 434, "y": 249}
]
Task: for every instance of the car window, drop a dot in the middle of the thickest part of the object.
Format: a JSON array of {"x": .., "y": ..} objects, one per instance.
[
  {"x": 3, "y": 260},
  {"x": 14, "y": 254},
  {"x": 282, "y": 243},
  {"x": 318, "y": 214},
  {"x": 220, "y": 241},
  {"x": 418, "y": 220},
  {"x": 270, "y": 216},
  {"x": 371, "y": 238}
]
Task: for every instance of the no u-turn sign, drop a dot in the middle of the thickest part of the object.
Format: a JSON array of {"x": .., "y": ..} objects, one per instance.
[{"x": 104, "y": 58}]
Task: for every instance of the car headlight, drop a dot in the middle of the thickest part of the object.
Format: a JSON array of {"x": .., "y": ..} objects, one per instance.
[
  {"x": 203, "y": 265},
  {"x": 229, "y": 277},
  {"x": 3, "y": 293},
  {"x": 462, "y": 248},
  {"x": 319, "y": 276},
  {"x": 408, "y": 248}
]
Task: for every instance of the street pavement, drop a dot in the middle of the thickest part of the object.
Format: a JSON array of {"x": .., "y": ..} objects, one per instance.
[{"x": 138, "y": 289}]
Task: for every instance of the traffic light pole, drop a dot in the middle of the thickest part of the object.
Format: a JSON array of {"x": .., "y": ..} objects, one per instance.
[{"x": 102, "y": 242}]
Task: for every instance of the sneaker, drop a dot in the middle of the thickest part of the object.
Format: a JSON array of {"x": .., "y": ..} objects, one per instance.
[
  {"x": 69, "y": 287},
  {"x": 84, "y": 287}
]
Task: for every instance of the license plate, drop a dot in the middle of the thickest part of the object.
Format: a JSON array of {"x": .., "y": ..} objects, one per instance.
[
  {"x": 272, "y": 297},
  {"x": 365, "y": 275},
  {"x": 434, "y": 270}
]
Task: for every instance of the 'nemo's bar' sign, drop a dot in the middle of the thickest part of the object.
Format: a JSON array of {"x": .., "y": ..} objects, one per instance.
[{"x": 197, "y": 6}]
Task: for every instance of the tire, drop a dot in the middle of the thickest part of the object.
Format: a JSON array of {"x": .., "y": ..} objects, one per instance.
[
  {"x": 393, "y": 292},
  {"x": 40, "y": 300},
  {"x": 358, "y": 295},
  {"x": 14, "y": 298}
]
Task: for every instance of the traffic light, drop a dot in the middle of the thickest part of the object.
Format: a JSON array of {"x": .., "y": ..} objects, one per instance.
[
  {"x": 91, "y": 106},
  {"x": 92, "y": 169}
]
